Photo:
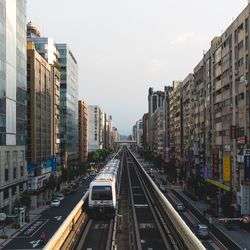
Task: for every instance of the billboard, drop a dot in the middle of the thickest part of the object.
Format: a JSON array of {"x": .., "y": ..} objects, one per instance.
[{"x": 226, "y": 168}]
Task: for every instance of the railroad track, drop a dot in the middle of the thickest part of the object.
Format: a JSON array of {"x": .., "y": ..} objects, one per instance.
[
  {"x": 97, "y": 235},
  {"x": 149, "y": 225}
]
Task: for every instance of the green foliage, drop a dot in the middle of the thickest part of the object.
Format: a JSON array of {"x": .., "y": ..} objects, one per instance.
[
  {"x": 52, "y": 183},
  {"x": 25, "y": 199},
  {"x": 98, "y": 155}
]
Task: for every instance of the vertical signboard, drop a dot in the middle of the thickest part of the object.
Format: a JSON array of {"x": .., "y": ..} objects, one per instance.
[
  {"x": 247, "y": 166},
  {"x": 245, "y": 199},
  {"x": 226, "y": 168},
  {"x": 167, "y": 155},
  {"x": 215, "y": 170}
]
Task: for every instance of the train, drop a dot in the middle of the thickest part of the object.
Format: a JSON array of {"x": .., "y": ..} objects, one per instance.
[{"x": 103, "y": 191}]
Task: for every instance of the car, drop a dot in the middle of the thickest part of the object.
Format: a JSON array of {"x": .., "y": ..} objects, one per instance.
[
  {"x": 180, "y": 207},
  {"x": 163, "y": 188},
  {"x": 59, "y": 197},
  {"x": 201, "y": 231},
  {"x": 55, "y": 203}
]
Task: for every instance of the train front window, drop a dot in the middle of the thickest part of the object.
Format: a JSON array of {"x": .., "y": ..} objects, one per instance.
[{"x": 101, "y": 193}]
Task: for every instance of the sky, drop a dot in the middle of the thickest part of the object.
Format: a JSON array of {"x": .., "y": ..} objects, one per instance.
[{"x": 123, "y": 47}]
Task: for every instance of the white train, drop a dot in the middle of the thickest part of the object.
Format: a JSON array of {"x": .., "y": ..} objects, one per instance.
[{"x": 103, "y": 190}]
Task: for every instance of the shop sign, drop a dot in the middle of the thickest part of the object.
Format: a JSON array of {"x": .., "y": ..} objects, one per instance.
[
  {"x": 232, "y": 132},
  {"x": 215, "y": 165},
  {"x": 245, "y": 199},
  {"x": 226, "y": 168},
  {"x": 247, "y": 168},
  {"x": 241, "y": 140}
]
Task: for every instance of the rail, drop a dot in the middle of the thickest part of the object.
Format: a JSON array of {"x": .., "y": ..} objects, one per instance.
[
  {"x": 188, "y": 237},
  {"x": 58, "y": 239}
]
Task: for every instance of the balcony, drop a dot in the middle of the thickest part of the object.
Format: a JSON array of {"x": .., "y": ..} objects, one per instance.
[
  {"x": 218, "y": 140},
  {"x": 218, "y": 126},
  {"x": 217, "y": 71},
  {"x": 218, "y": 85},
  {"x": 225, "y": 51},
  {"x": 218, "y": 98}
]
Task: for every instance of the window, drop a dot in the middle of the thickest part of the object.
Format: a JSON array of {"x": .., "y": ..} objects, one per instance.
[
  {"x": 13, "y": 190},
  {"x": 6, "y": 194},
  {"x": 14, "y": 173},
  {"x": 21, "y": 171},
  {"x": 6, "y": 174}
]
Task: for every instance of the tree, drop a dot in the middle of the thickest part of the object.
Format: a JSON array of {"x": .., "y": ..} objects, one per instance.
[{"x": 25, "y": 199}]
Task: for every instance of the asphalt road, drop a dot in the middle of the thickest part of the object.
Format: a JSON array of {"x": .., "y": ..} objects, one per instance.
[{"x": 49, "y": 221}]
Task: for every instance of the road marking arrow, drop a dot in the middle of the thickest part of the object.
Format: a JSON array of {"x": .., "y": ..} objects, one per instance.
[
  {"x": 35, "y": 243},
  {"x": 58, "y": 217}
]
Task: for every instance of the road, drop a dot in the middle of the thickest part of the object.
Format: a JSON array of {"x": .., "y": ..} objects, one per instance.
[{"x": 48, "y": 222}]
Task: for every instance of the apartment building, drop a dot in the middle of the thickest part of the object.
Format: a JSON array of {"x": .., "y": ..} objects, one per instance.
[
  {"x": 175, "y": 123},
  {"x": 83, "y": 130},
  {"x": 187, "y": 119}
]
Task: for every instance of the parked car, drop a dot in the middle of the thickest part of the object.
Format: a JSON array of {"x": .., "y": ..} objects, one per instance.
[
  {"x": 55, "y": 203},
  {"x": 180, "y": 207},
  {"x": 201, "y": 231},
  {"x": 59, "y": 197}
]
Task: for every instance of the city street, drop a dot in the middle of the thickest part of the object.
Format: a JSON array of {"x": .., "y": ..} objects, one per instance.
[{"x": 49, "y": 221}]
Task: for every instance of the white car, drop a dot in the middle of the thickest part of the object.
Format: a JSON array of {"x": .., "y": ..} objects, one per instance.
[
  {"x": 55, "y": 203},
  {"x": 59, "y": 197}
]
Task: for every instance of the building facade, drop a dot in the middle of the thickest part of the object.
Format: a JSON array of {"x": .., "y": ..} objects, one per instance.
[
  {"x": 175, "y": 123},
  {"x": 83, "y": 130},
  {"x": 68, "y": 106},
  {"x": 13, "y": 171},
  {"x": 95, "y": 128}
]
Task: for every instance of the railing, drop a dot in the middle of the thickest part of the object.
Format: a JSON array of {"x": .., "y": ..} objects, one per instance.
[{"x": 69, "y": 226}]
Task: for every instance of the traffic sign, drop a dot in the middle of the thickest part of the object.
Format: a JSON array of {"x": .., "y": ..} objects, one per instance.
[{"x": 2, "y": 216}]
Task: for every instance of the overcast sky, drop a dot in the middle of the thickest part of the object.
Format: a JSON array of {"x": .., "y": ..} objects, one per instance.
[{"x": 125, "y": 46}]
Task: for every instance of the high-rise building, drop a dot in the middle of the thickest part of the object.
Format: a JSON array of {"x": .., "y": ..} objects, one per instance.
[
  {"x": 83, "y": 130},
  {"x": 175, "y": 125},
  {"x": 39, "y": 88},
  {"x": 95, "y": 128},
  {"x": 13, "y": 172},
  {"x": 47, "y": 49},
  {"x": 68, "y": 106},
  {"x": 155, "y": 100}
]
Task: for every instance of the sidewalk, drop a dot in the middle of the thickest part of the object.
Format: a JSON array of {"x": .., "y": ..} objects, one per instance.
[
  {"x": 238, "y": 235},
  {"x": 11, "y": 232}
]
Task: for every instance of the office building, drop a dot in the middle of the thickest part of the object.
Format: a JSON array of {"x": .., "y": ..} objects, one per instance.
[
  {"x": 13, "y": 172},
  {"x": 68, "y": 106}
]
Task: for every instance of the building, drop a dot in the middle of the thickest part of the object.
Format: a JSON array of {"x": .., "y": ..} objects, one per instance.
[
  {"x": 13, "y": 172},
  {"x": 42, "y": 121},
  {"x": 155, "y": 99},
  {"x": 95, "y": 128},
  {"x": 109, "y": 126},
  {"x": 83, "y": 130},
  {"x": 175, "y": 123},
  {"x": 188, "y": 127},
  {"x": 68, "y": 106},
  {"x": 145, "y": 130},
  {"x": 46, "y": 47},
  {"x": 138, "y": 133}
]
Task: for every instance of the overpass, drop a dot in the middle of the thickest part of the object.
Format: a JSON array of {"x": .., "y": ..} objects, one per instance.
[{"x": 125, "y": 142}]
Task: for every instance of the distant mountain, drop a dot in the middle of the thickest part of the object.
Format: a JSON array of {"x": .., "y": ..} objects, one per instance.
[{"x": 123, "y": 137}]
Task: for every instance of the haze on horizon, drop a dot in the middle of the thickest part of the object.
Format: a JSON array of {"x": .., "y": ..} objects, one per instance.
[{"x": 125, "y": 47}]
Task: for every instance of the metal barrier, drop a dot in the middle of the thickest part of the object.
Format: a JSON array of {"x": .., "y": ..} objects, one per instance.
[
  {"x": 185, "y": 233},
  {"x": 58, "y": 239}
]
